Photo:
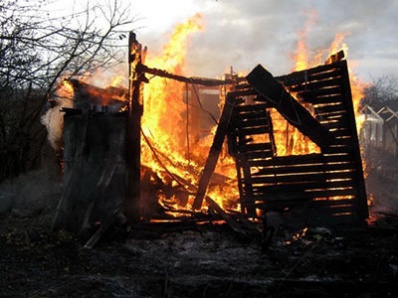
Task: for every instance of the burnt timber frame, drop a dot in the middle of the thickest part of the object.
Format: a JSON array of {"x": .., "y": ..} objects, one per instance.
[
  {"x": 328, "y": 185},
  {"x": 133, "y": 132}
]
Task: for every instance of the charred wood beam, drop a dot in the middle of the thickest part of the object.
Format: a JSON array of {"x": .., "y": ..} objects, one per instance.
[
  {"x": 360, "y": 181},
  {"x": 192, "y": 80},
  {"x": 232, "y": 223},
  {"x": 133, "y": 132},
  {"x": 277, "y": 96},
  {"x": 335, "y": 57},
  {"x": 103, "y": 228},
  {"x": 214, "y": 152}
]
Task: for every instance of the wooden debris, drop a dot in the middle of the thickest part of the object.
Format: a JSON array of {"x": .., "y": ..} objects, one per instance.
[
  {"x": 98, "y": 192},
  {"x": 102, "y": 229},
  {"x": 229, "y": 220}
]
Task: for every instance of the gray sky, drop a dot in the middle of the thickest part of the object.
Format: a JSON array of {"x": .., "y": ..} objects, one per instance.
[{"x": 244, "y": 33}]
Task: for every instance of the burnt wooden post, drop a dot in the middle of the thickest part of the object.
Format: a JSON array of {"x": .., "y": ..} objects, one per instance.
[
  {"x": 359, "y": 175},
  {"x": 133, "y": 137},
  {"x": 214, "y": 153}
]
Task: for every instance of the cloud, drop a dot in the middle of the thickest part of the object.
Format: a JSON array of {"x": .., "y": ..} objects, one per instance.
[{"x": 244, "y": 33}]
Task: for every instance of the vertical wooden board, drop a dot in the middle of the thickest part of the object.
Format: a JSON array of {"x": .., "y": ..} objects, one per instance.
[
  {"x": 133, "y": 131},
  {"x": 215, "y": 151},
  {"x": 360, "y": 183},
  {"x": 88, "y": 151}
]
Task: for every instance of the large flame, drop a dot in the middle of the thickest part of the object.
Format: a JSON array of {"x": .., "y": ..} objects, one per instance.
[
  {"x": 165, "y": 114},
  {"x": 302, "y": 56},
  {"x": 168, "y": 146},
  {"x": 164, "y": 106},
  {"x": 165, "y": 123},
  {"x": 287, "y": 138}
]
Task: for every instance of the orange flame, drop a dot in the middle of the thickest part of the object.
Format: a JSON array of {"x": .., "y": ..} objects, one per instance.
[
  {"x": 163, "y": 117},
  {"x": 302, "y": 54},
  {"x": 65, "y": 89}
]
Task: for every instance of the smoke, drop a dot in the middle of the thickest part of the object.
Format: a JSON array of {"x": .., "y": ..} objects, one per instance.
[
  {"x": 53, "y": 120},
  {"x": 31, "y": 193}
]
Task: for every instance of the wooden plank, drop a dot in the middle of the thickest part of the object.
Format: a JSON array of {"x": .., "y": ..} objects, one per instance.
[
  {"x": 288, "y": 107},
  {"x": 312, "y": 94},
  {"x": 230, "y": 221},
  {"x": 271, "y": 164},
  {"x": 332, "y": 122},
  {"x": 332, "y": 108},
  {"x": 360, "y": 182},
  {"x": 328, "y": 202},
  {"x": 309, "y": 159},
  {"x": 329, "y": 115},
  {"x": 254, "y": 147},
  {"x": 312, "y": 203},
  {"x": 260, "y": 130},
  {"x": 251, "y": 107},
  {"x": 314, "y": 85},
  {"x": 302, "y": 186},
  {"x": 133, "y": 132},
  {"x": 251, "y": 115},
  {"x": 246, "y": 156},
  {"x": 325, "y": 99},
  {"x": 339, "y": 118},
  {"x": 335, "y": 74},
  {"x": 241, "y": 93},
  {"x": 315, "y": 73},
  {"x": 326, "y": 167},
  {"x": 246, "y": 123},
  {"x": 215, "y": 151},
  {"x": 269, "y": 197},
  {"x": 103, "y": 228},
  {"x": 321, "y": 99},
  {"x": 343, "y": 136},
  {"x": 298, "y": 177},
  {"x": 299, "y": 186},
  {"x": 310, "y": 193},
  {"x": 190, "y": 80},
  {"x": 347, "y": 144}
]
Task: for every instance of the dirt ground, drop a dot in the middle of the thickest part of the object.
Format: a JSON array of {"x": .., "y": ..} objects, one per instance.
[
  {"x": 205, "y": 261},
  {"x": 199, "y": 261}
]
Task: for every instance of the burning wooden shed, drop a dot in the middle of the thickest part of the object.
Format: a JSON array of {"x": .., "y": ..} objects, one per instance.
[
  {"x": 324, "y": 185},
  {"x": 94, "y": 157}
]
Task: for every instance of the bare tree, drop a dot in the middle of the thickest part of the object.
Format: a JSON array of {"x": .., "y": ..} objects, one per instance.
[
  {"x": 37, "y": 48},
  {"x": 383, "y": 91}
]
